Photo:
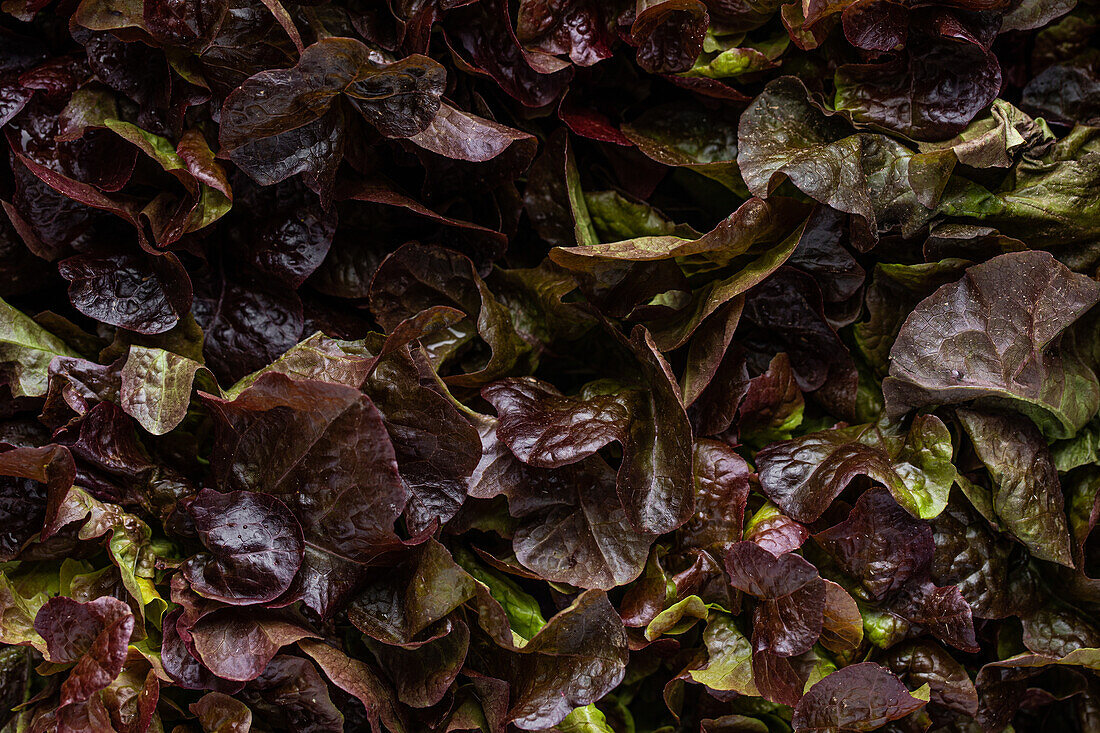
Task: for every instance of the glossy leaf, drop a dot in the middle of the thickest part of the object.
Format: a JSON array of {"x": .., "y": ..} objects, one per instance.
[
  {"x": 219, "y": 713},
  {"x": 790, "y": 616},
  {"x": 805, "y": 474},
  {"x": 255, "y": 546},
  {"x": 219, "y": 637},
  {"x": 722, "y": 488},
  {"x": 583, "y": 536},
  {"x": 291, "y": 693},
  {"x": 92, "y": 635},
  {"x": 396, "y": 610},
  {"x": 856, "y": 698},
  {"x": 287, "y": 438},
  {"x": 879, "y": 543},
  {"x": 303, "y": 131},
  {"x": 923, "y": 663},
  {"x": 580, "y": 654},
  {"x": 934, "y": 360},
  {"x": 932, "y": 92},
  {"x": 784, "y": 135},
  {"x": 1027, "y": 497}
]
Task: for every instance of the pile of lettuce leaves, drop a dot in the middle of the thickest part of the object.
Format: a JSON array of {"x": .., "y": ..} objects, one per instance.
[{"x": 598, "y": 366}]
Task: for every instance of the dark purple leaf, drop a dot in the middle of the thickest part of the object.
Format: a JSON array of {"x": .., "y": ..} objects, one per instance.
[
  {"x": 789, "y": 617},
  {"x": 484, "y": 34},
  {"x": 255, "y": 547},
  {"x": 395, "y": 609},
  {"x": 436, "y": 446},
  {"x": 575, "y": 29},
  {"x": 422, "y": 674},
  {"x": 323, "y": 450},
  {"x": 804, "y": 475},
  {"x": 245, "y": 324},
  {"x": 880, "y": 544},
  {"x": 772, "y": 402},
  {"x": 290, "y": 694},
  {"x": 136, "y": 291},
  {"x": 237, "y": 644},
  {"x": 415, "y": 277},
  {"x": 786, "y": 316},
  {"x": 187, "y": 23},
  {"x": 774, "y": 531},
  {"x": 286, "y": 234},
  {"x": 302, "y": 129},
  {"x": 988, "y": 568},
  {"x": 956, "y": 346},
  {"x": 358, "y": 680},
  {"x": 721, "y": 491},
  {"x": 921, "y": 663},
  {"x": 944, "y": 79},
  {"x": 1064, "y": 93},
  {"x": 784, "y": 134},
  {"x": 857, "y": 698},
  {"x": 942, "y": 612},
  {"x": 576, "y": 530},
  {"x": 669, "y": 34},
  {"x": 92, "y": 635},
  {"x": 575, "y": 659},
  {"x": 545, "y": 429}
]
